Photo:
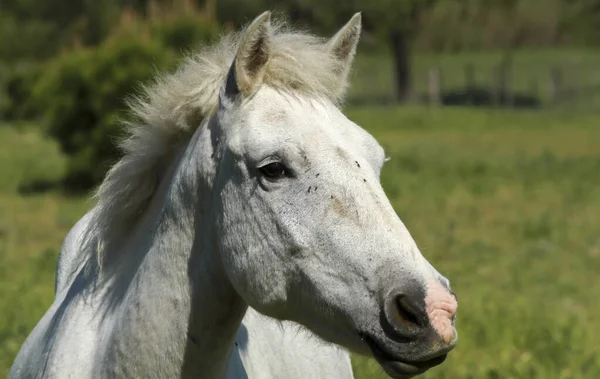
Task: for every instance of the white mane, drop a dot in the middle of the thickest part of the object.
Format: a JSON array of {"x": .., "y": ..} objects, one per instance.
[{"x": 173, "y": 107}]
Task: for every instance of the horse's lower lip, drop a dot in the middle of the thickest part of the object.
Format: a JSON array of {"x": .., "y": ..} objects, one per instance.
[{"x": 397, "y": 367}]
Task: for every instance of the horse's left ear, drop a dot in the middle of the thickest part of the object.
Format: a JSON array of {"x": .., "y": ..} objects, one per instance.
[
  {"x": 253, "y": 54},
  {"x": 343, "y": 44}
]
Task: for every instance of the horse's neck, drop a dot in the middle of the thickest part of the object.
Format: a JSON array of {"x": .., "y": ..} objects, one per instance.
[{"x": 179, "y": 314}]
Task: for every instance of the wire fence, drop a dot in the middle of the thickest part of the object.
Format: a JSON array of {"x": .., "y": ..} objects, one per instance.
[{"x": 559, "y": 82}]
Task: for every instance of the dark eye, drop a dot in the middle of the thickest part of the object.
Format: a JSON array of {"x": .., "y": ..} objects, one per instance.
[{"x": 274, "y": 170}]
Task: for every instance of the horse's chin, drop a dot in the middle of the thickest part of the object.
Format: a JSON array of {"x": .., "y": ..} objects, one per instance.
[{"x": 397, "y": 367}]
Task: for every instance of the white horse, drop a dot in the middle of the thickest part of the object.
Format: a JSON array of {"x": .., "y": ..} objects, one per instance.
[{"x": 244, "y": 186}]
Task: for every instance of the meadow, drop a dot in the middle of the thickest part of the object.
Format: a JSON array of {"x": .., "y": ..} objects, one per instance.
[{"x": 504, "y": 203}]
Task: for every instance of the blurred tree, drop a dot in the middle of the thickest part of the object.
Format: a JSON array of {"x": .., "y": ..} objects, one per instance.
[
  {"x": 38, "y": 29},
  {"x": 582, "y": 19},
  {"x": 82, "y": 95},
  {"x": 397, "y": 21}
]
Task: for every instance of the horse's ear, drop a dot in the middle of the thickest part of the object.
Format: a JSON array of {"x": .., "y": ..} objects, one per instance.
[
  {"x": 253, "y": 54},
  {"x": 343, "y": 44}
]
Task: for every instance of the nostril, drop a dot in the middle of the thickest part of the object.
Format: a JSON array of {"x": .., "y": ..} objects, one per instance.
[
  {"x": 405, "y": 314},
  {"x": 408, "y": 311}
]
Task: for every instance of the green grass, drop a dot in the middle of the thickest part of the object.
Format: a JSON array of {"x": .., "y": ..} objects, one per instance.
[
  {"x": 506, "y": 204},
  {"x": 31, "y": 231},
  {"x": 26, "y": 156}
]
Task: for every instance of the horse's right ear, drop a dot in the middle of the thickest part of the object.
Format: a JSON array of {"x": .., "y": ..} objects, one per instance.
[
  {"x": 343, "y": 44},
  {"x": 250, "y": 62}
]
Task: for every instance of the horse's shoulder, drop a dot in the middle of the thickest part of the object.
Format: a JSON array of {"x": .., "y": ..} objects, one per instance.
[{"x": 68, "y": 261}]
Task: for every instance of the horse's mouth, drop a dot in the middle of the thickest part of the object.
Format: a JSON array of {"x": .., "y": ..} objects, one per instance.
[{"x": 399, "y": 368}]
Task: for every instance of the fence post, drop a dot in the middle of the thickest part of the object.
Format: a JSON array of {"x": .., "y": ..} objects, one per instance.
[
  {"x": 470, "y": 83},
  {"x": 434, "y": 87},
  {"x": 555, "y": 85},
  {"x": 496, "y": 87},
  {"x": 577, "y": 94},
  {"x": 506, "y": 75},
  {"x": 534, "y": 88}
]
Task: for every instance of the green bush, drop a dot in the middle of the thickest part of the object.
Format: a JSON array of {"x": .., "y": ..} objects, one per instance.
[
  {"x": 185, "y": 33},
  {"x": 83, "y": 93},
  {"x": 17, "y": 85}
]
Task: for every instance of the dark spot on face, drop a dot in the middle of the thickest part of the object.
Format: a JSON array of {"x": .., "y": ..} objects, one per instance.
[
  {"x": 309, "y": 189},
  {"x": 331, "y": 196},
  {"x": 365, "y": 180},
  {"x": 316, "y": 189},
  {"x": 357, "y": 164},
  {"x": 339, "y": 208},
  {"x": 304, "y": 160},
  {"x": 316, "y": 176},
  {"x": 343, "y": 154}
]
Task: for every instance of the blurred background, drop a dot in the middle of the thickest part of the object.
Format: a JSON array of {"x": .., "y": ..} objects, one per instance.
[{"x": 489, "y": 110}]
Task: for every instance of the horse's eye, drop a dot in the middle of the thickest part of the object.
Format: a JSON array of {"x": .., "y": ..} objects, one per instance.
[{"x": 274, "y": 170}]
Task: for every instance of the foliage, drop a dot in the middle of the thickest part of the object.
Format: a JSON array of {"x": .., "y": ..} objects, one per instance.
[
  {"x": 500, "y": 25},
  {"x": 18, "y": 82},
  {"x": 83, "y": 93},
  {"x": 184, "y": 33},
  {"x": 506, "y": 204},
  {"x": 36, "y": 39},
  {"x": 38, "y": 29}
]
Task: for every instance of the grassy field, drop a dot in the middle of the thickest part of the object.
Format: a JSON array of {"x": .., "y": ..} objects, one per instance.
[{"x": 506, "y": 204}]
